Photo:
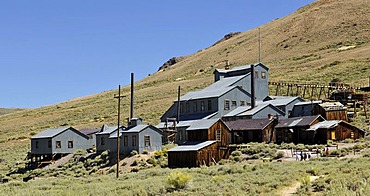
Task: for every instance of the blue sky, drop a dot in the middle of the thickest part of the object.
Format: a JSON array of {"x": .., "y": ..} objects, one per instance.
[{"x": 52, "y": 51}]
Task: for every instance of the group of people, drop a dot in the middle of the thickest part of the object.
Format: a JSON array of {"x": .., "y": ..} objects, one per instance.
[{"x": 302, "y": 156}]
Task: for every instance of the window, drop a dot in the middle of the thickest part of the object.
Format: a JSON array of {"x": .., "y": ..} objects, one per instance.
[
  {"x": 182, "y": 108},
  {"x": 333, "y": 135},
  {"x": 256, "y": 74},
  {"x": 146, "y": 140},
  {"x": 263, "y": 75},
  {"x": 125, "y": 140},
  {"x": 102, "y": 141},
  {"x": 58, "y": 144},
  {"x": 195, "y": 107},
  {"x": 209, "y": 105},
  {"x": 202, "y": 106},
  {"x": 218, "y": 135},
  {"x": 49, "y": 143},
  {"x": 352, "y": 135},
  {"x": 227, "y": 105},
  {"x": 134, "y": 140},
  {"x": 70, "y": 144},
  {"x": 233, "y": 103},
  {"x": 242, "y": 102},
  {"x": 187, "y": 108},
  {"x": 37, "y": 144}
]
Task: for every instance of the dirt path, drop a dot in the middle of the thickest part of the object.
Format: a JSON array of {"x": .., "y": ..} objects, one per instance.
[{"x": 292, "y": 189}]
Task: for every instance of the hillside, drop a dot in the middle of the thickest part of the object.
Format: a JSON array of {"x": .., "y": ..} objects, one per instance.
[
  {"x": 9, "y": 110},
  {"x": 308, "y": 45}
]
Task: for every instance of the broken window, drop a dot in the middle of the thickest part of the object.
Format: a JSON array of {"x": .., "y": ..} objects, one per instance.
[
  {"x": 146, "y": 140},
  {"x": 227, "y": 105},
  {"x": 58, "y": 144},
  {"x": 49, "y": 143},
  {"x": 187, "y": 108},
  {"x": 256, "y": 74},
  {"x": 70, "y": 144},
  {"x": 263, "y": 75},
  {"x": 209, "y": 105},
  {"x": 202, "y": 106},
  {"x": 242, "y": 102},
  {"x": 134, "y": 140},
  {"x": 233, "y": 103},
  {"x": 125, "y": 140},
  {"x": 195, "y": 107},
  {"x": 218, "y": 135},
  {"x": 102, "y": 141}
]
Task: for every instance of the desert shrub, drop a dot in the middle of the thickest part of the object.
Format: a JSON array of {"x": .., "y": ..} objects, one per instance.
[
  {"x": 178, "y": 180},
  {"x": 145, "y": 152},
  {"x": 236, "y": 158},
  {"x": 312, "y": 171},
  {"x": 300, "y": 146},
  {"x": 80, "y": 152},
  {"x": 280, "y": 154},
  {"x": 133, "y": 153},
  {"x": 134, "y": 163},
  {"x": 348, "y": 140},
  {"x": 236, "y": 153}
]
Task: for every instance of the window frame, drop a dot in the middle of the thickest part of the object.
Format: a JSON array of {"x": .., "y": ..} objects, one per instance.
[
  {"x": 255, "y": 74},
  {"x": 58, "y": 144},
  {"x": 243, "y": 102},
  {"x": 202, "y": 106},
  {"x": 70, "y": 144},
  {"x": 36, "y": 144},
  {"x": 195, "y": 106},
  {"x": 134, "y": 141},
  {"x": 263, "y": 74},
  {"x": 187, "y": 106},
  {"x": 125, "y": 140},
  {"x": 218, "y": 135},
  {"x": 234, "y": 103},
  {"x": 147, "y": 141},
  {"x": 102, "y": 141},
  {"x": 209, "y": 105},
  {"x": 226, "y": 104}
]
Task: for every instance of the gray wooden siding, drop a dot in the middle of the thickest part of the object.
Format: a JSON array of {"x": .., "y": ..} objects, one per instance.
[
  {"x": 155, "y": 141},
  {"x": 43, "y": 147},
  {"x": 109, "y": 144},
  {"x": 79, "y": 142},
  {"x": 233, "y": 95}
]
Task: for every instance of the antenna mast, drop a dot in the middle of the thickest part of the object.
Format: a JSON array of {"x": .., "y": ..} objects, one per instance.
[{"x": 259, "y": 45}]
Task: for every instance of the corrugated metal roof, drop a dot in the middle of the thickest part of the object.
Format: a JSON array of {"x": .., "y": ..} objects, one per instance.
[
  {"x": 249, "y": 112},
  {"x": 202, "y": 124},
  {"x": 308, "y": 103},
  {"x": 297, "y": 121},
  {"x": 89, "y": 131},
  {"x": 136, "y": 129},
  {"x": 188, "y": 148},
  {"x": 225, "y": 82},
  {"x": 109, "y": 129},
  {"x": 248, "y": 124},
  {"x": 237, "y": 111},
  {"x": 324, "y": 125},
  {"x": 162, "y": 125},
  {"x": 51, "y": 132},
  {"x": 244, "y": 67},
  {"x": 281, "y": 100},
  {"x": 206, "y": 93}
]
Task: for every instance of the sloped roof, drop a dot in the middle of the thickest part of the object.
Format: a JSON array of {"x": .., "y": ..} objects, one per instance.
[
  {"x": 225, "y": 82},
  {"x": 89, "y": 131},
  {"x": 259, "y": 107},
  {"x": 52, "y": 132},
  {"x": 282, "y": 100},
  {"x": 210, "y": 93},
  {"x": 248, "y": 124},
  {"x": 324, "y": 125},
  {"x": 308, "y": 103},
  {"x": 202, "y": 124},
  {"x": 109, "y": 129},
  {"x": 297, "y": 121},
  {"x": 187, "y": 148},
  {"x": 239, "y": 68}
]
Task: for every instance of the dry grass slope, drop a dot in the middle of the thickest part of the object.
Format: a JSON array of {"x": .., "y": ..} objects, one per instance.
[{"x": 306, "y": 46}]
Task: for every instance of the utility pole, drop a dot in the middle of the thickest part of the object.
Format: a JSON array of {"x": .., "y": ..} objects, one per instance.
[{"x": 119, "y": 97}]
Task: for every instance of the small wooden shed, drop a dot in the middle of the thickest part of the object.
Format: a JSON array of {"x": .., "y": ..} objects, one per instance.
[
  {"x": 252, "y": 130},
  {"x": 194, "y": 155},
  {"x": 336, "y": 130},
  {"x": 331, "y": 111}
]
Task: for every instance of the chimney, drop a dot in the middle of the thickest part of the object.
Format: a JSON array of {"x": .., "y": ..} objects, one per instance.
[
  {"x": 227, "y": 65},
  {"x": 253, "y": 101},
  {"x": 135, "y": 121},
  {"x": 132, "y": 97}
]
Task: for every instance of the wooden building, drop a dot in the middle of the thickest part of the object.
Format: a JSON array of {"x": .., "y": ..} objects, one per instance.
[
  {"x": 336, "y": 130},
  {"x": 295, "y": 129},
  {"x": 252, "y": 130},
  {"x": 195, "y": 155},
  {"x": 331, "y": 111}
]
